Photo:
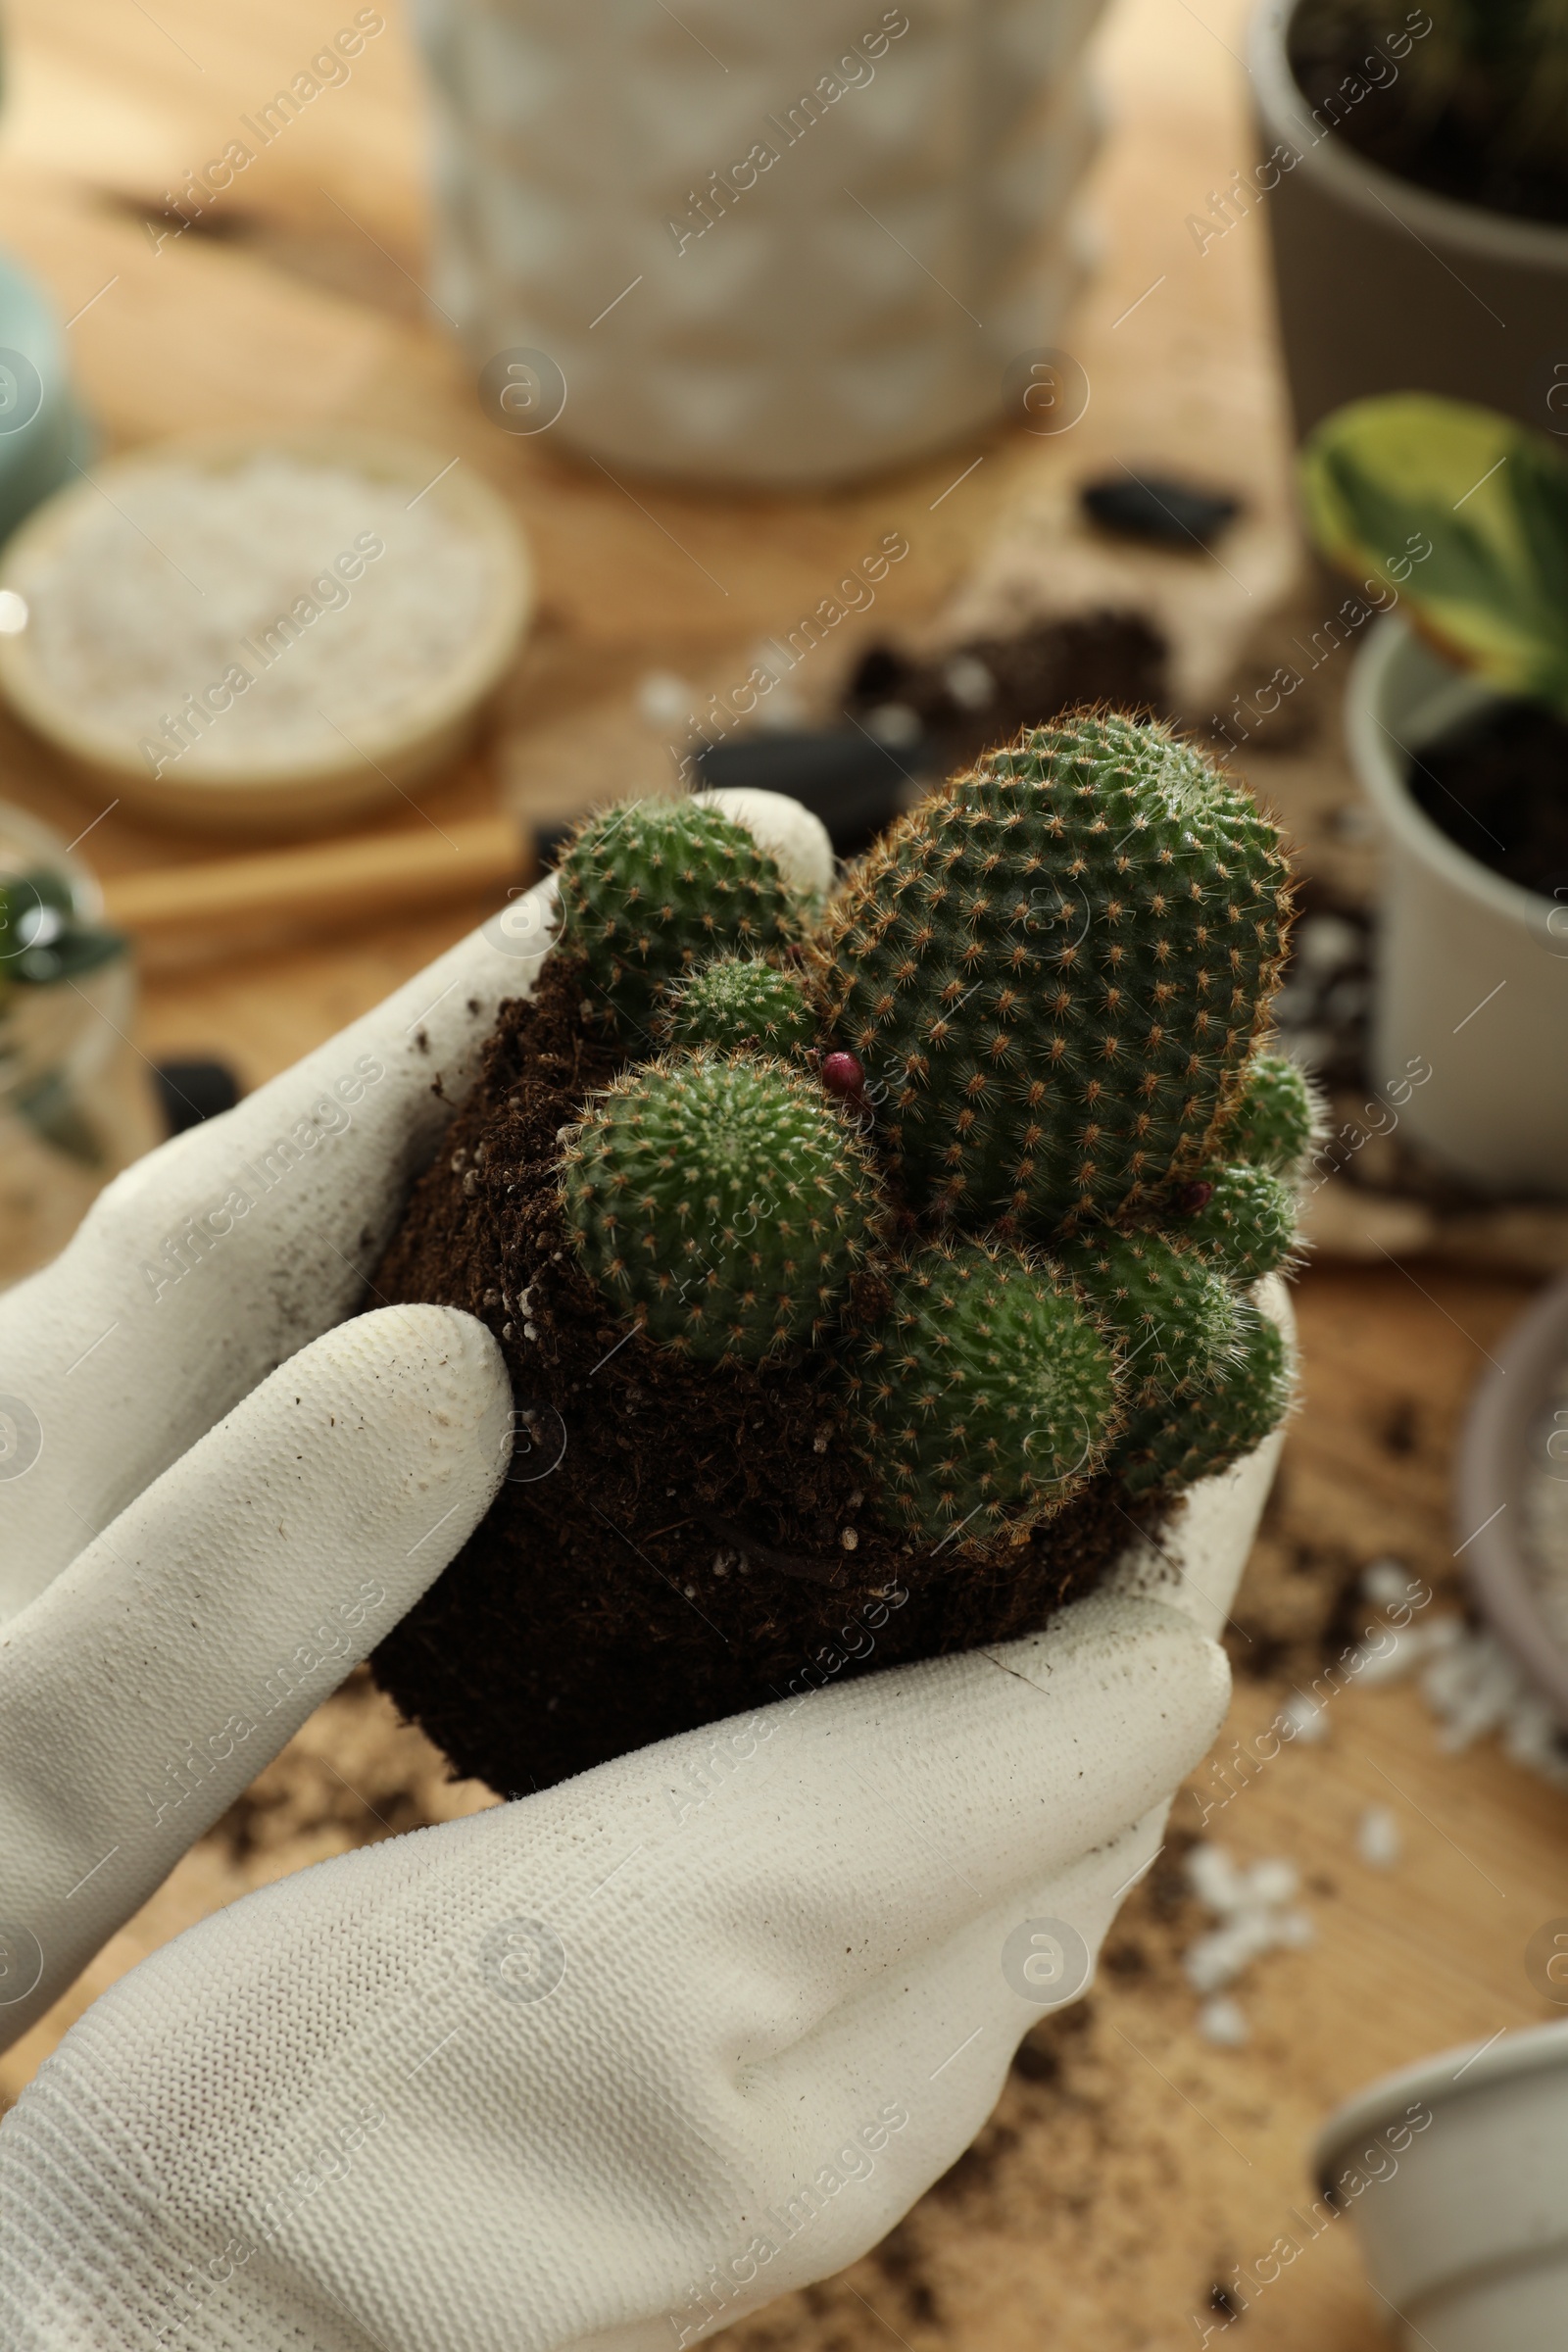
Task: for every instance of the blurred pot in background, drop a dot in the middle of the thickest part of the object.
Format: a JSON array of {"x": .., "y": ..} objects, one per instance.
[
  {"x": 74, "y": 1104},
  {"x": 1419, "y": 205},
  {"x": 41, "y": 431},
  {"x": 1456, "y": 2171},
  {"x": 776, "y": 246},
  {"x": 1510, "y": 1506},
  {"x": 1458, "y": 719}
]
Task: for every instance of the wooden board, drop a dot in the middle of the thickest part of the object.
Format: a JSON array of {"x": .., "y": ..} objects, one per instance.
[{"x": 1130, "y": 2163}]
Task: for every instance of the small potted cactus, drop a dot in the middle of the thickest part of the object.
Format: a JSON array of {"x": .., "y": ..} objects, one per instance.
[{"x": 869, "y": 1272}]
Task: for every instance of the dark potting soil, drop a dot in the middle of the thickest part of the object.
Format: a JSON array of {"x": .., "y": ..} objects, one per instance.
[
  {"x": 1497, "y": 787},
  {"x": 1465, "y": 152},
  {"x": 983, "y": 692},
  {"x": 669, "y": 1548}
]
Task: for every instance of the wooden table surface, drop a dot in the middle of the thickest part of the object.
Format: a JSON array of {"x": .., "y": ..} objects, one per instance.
[{"x": 1131, "y": 2164}]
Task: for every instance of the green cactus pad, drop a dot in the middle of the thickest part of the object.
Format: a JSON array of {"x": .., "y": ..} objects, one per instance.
[
  {"x": 986, "y": 1398},
  {"x": 741, "y": 1000},
  {"x": 1247, "y": 1224},
  {"x": 1167, "y": 1446},
  {"x": 722, "y": 1200},
  {"x": 651, "y": 889},
  {"x": 1276, "y": 1121},
  {"x": 1058, "y": 966},
  {"x": 1173, "y": 1315}
]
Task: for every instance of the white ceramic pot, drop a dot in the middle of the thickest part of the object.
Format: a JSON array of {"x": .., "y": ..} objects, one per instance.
[
  {"x": 1473, "y": 971},
  {"x": 776, "y": 246},
  {"x": 1457, "y": 2172},
  {"x": 1383, "y": 287}
]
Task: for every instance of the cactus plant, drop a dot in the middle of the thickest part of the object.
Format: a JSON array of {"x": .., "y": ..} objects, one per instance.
[
  {"x": 651, "y": 889},
  {"x": 1056, "y": 966},
  {"x": 919, "y": 1245},
  {"x": 722, "y": 1200},
  {"x": 1174, "y": 1316},
  {"x": 1276, "y": 1120},
  {"x": 742, "y": 1001},
  {"x": 1242, "y": 1218},
  {"x": 1171, "y": 1444},
  {"x": 986, "y": 1397}
]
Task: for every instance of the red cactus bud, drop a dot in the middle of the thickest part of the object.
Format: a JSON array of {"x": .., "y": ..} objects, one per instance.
[
  {"x": 841, "y": 1074},
  {"x": 1194, "y": 1199}
]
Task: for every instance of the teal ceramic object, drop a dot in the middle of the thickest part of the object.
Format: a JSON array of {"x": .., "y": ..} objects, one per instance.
[{"x": 42, "y": 429}]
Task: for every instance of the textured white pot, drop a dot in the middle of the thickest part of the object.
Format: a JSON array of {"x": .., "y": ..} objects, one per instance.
[
  {"x": 777, "y": 246},
  {"x": 1458, "y": 2173},
  {"x": 1473, "y": 971}
]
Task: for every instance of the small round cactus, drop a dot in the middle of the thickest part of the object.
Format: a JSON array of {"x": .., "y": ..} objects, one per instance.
[
  {"x": 1275, "y": 1122},
  {"x": 722, "y": 1200},
  {"x": 1056, "y": 966},
  {"x": 1242, "y": 1219},
  {"x": 741, "y": 1000},
  {"x": 986, "y": 1397},
  {"x": 1173, "y": 1315},
  {"x": 651, "y": 889},
  {"x": 1166, "y": 1446}
]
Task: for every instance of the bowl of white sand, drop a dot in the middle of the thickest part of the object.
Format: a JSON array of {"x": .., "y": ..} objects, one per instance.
[{"x": 262, "y": 634}]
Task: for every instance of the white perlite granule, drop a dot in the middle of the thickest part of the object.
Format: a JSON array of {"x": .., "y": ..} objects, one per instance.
[
  {"x": 281, "y": 611},
  {"x": 1378, "y": 1839},
  {"x": 1543, "y": 1509},
  {"x": 1251, "y": 1904},
  {"x": 1474, "y": 1689}
]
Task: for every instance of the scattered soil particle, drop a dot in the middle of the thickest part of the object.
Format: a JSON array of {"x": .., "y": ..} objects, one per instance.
[
  {"x": 1401, "y": 1426},
  {"x": 983, "y": 692}
]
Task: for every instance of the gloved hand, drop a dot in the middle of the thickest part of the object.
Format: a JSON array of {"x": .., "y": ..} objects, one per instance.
[
  {"x": 196, "y": 1546},
  {"x": 604, "y": 2068},
  {"x": 608, "y": 2066}
]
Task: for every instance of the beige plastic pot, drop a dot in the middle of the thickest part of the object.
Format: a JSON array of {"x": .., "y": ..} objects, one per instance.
[
  {"x": 1456, "y": 2171},
  {"x": 1473, "y": 971},
  {"x": 743, "y": 245},
  {"x": 1383, "y": 287}
]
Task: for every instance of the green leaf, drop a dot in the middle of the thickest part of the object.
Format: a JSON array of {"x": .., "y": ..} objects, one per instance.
[{"x": 1462, "y": 514}]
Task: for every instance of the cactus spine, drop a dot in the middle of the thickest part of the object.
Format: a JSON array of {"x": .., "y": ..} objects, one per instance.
[
  {"x": 723, "y": 1200},
  {"x": 741, "y": 1000},
  {"x": 651, "y": 889},
  {"x": 1174, "y": 1316},
  {"x": 1169, "y": 1445},
  {"x": 1242, "y": 1219},
  {"x": 1276, "y": 1120},
  {"x": 988, "y": 1397},
  {"x": 1057, "y": 964}
]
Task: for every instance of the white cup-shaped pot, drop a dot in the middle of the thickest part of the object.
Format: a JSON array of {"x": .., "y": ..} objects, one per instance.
[
  {"x": 1472, "y": 977},
  {"x": 1457, "y": 2172},
  {"x": 779, "y": 246}
]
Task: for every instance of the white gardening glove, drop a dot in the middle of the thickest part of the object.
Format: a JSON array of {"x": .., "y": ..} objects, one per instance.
[
  {"x": 177, "y": 1597},
  {"x": 604, "y": 2068},
  {"x": 608, "y": 2066}
]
